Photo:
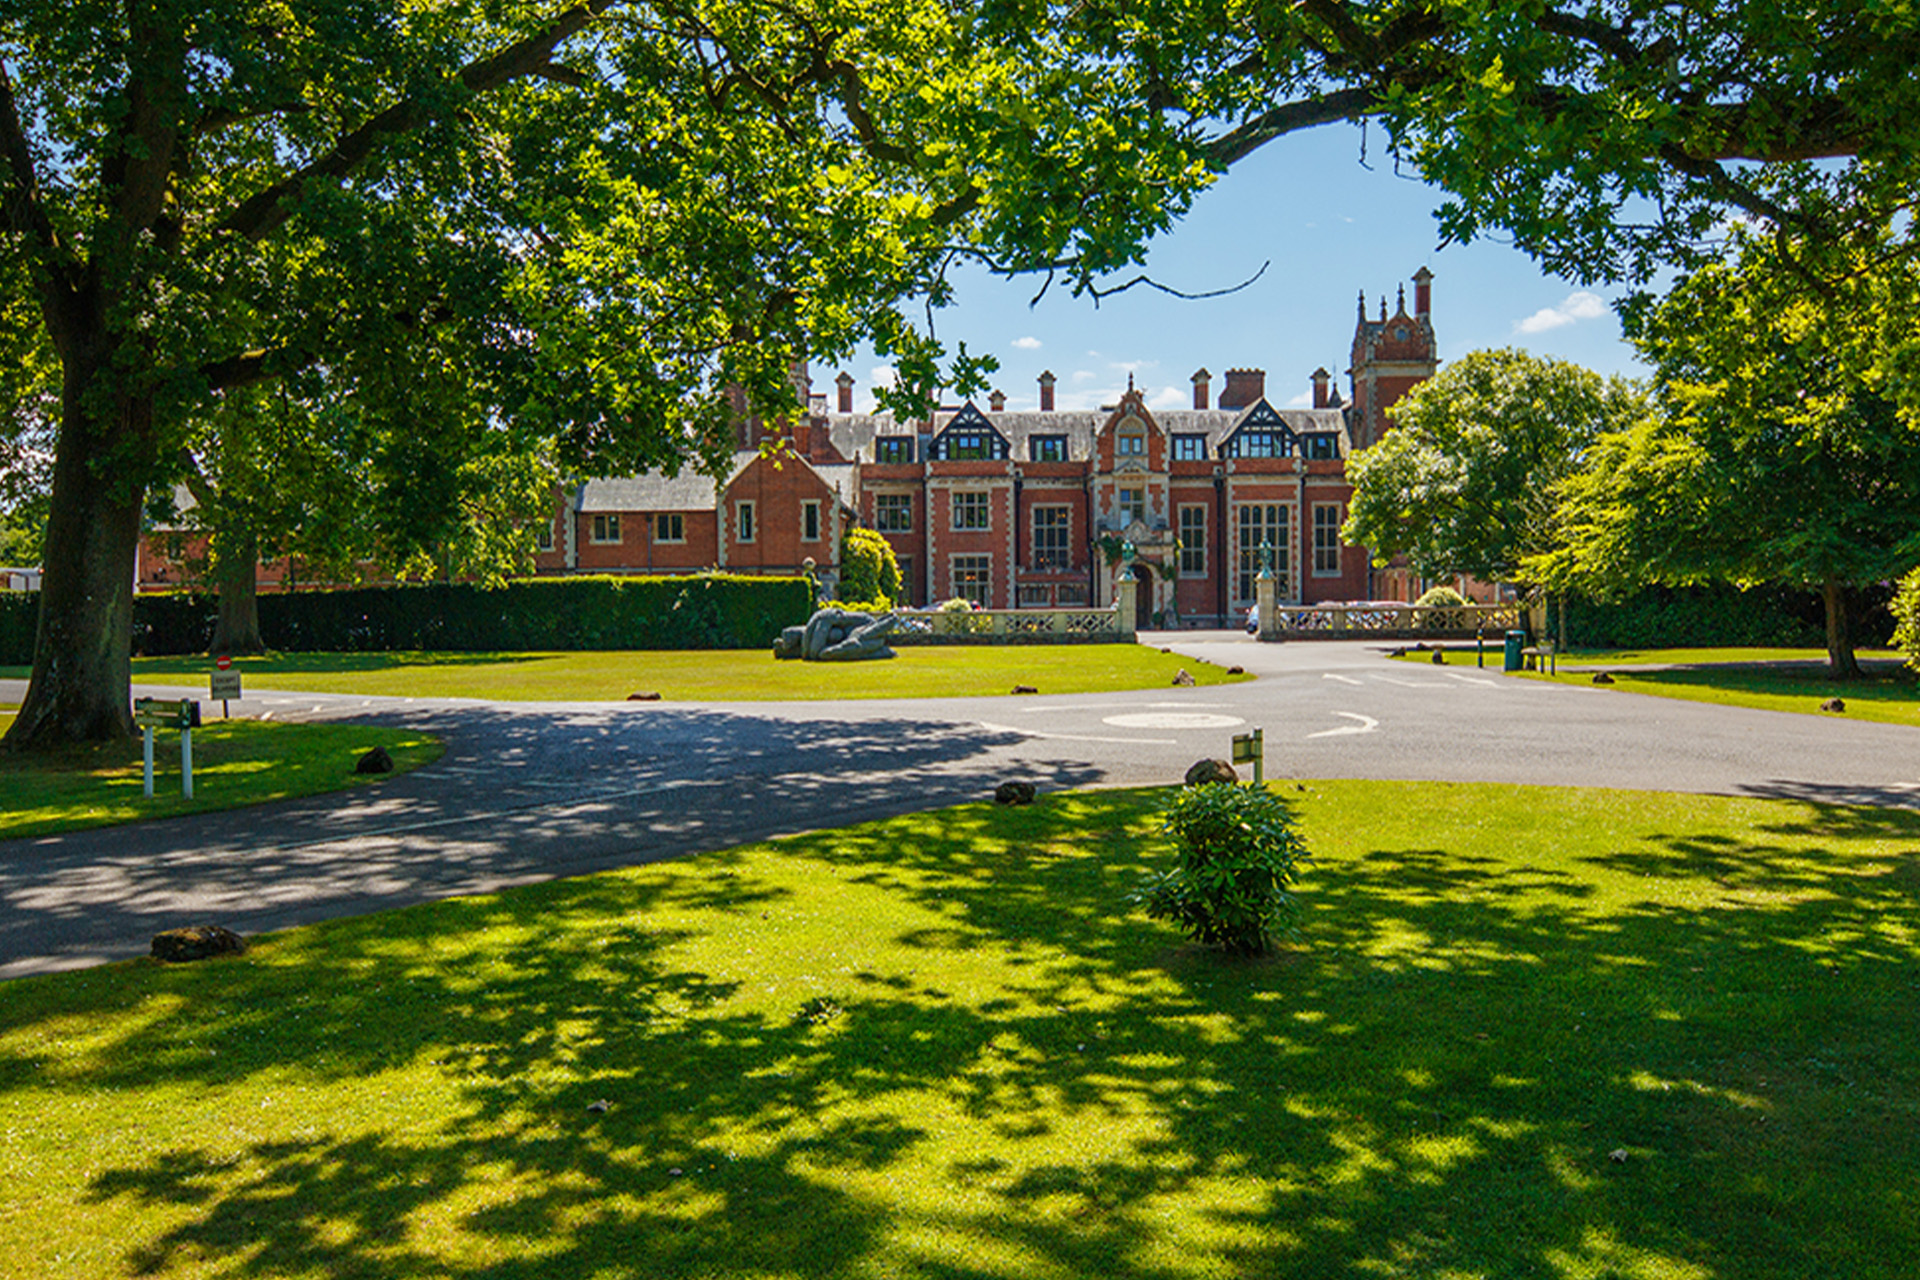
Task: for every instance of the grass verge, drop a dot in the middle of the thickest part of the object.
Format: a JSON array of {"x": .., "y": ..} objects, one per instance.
[
  {"x": 1523, "y": 1033},
  {"x": 235, "y": 763},
  {"x": 711, "y": 675},
  {"x": 1792, "y": 680}
]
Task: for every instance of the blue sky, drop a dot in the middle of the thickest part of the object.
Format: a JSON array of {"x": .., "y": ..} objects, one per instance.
[{"x": 1330, "y": 227}]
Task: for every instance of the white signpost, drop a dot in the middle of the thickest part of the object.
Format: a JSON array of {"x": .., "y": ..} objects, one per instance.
[{"x": 159, "y": 713}]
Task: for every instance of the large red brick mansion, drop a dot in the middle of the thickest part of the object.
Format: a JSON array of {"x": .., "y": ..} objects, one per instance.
[{"x": 1023, "y": 509}]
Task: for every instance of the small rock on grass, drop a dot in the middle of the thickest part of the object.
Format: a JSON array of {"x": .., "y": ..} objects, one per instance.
[
  {"x": 1603, "y": 678},
  {"x": 1014, "y": 793},
  {"x": 1183, "y": 677},
  {"x": 375, "y": 761},
  {"x": 1834, "y": 704},
  {"x": 196, "y": 942},
  {"x": 1204, "y": 771},
  {"x": 1024, "y": 688},
  {"x": 1236, "y": 671},
  {"x": 649, "y": 696},
  {"x": 1439, "y": 658}
]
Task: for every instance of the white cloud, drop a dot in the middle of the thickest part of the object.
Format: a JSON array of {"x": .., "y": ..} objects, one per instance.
[
  {"x": 1578, "y": 306},
  {"x": 1027, "y": 344},
  {"x": 882, "y": 375},
  {"x": 1083, "y": 375},
  {"x": 1302, "y": 401},
  {"x": 1167, "y": 398}
]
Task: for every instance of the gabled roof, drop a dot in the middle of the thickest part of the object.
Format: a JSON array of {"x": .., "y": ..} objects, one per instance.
[{"x": 689, "y": 491}]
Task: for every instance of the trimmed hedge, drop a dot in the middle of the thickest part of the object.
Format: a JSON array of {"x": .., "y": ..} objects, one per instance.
[
  {"x": 1681, "y": 617},
  {"x": 703, "y": 611},
  {"x": 19, "y": 615}
]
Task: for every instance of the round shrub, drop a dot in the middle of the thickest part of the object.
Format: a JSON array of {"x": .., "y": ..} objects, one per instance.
[
  {"x": 1441, "y": 598},
  {"x": 868, "y": 569},
  {"x": 1238, "y": 856}
]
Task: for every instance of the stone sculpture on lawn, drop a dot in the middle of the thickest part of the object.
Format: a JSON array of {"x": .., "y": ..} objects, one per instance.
[{"x": 838, "y": 635}]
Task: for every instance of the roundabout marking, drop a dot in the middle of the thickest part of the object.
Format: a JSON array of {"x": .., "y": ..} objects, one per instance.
[
  {"x": 1367, "y": 725},
  {"x": 1172, "y": 720}
]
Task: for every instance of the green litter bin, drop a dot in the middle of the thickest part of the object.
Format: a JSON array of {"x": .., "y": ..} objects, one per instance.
[{"x": 1516, "y": 642}]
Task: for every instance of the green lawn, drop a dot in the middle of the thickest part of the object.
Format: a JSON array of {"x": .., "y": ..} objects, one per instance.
[
  {"x": 1794, "y": 681},
  {"x": 235, "y": 763},
  {"x": 725, "y": 675},
  {"x": 1524, "y": 1033}
]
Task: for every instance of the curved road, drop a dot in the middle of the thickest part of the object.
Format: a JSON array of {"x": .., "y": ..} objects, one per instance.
[{"x": 530, "y": 791}]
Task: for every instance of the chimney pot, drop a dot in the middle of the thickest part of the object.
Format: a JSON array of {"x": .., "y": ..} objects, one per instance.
[
  {"x": 1046, "y": 391},
  {"x": 998, "y": 400},
  {"x": 1320, "y": 377},
  {"x": 845, "y": 383},
  {"x": 1202, "y": 381}
]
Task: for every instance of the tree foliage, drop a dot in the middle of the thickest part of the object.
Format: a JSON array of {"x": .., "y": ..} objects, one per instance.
[
  {"x": 1786, "y": 449},
  {"x": 587, "y": 220},
  {"x": 1463, "y": 482},
  {"x": 1609, "y": 138}
]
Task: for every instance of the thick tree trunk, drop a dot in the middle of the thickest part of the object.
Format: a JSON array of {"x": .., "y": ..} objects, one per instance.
[
  {"x": 236, "y": 629},
  {"x": 1841, "y": 664},
  {"x": 82, "y": 653}
]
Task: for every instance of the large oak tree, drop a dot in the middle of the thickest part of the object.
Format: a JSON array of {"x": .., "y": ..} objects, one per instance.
[{"x": 601, "y": 214}]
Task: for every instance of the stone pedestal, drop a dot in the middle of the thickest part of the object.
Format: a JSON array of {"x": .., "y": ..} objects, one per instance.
[
  {"x": 1263, "y": 596},
  {"x": 1126, "y": 592}
]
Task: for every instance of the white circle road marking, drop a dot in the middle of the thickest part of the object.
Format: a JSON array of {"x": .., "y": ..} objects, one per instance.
[{"x": 1173, "y": 720}]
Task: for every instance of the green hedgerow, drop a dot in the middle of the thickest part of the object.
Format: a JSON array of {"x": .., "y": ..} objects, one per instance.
[{"x": 1239, "y": 854}]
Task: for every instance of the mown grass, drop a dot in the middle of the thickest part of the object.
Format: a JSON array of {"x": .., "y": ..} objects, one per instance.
[
  {"x": 1792, "y": 680},
  {"x": 722, "y": 675},
  {"x": 235, "y": 763},
  {"x": 1524, "y": 1033}
]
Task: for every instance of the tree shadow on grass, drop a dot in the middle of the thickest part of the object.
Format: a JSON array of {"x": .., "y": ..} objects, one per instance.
[
  {"x": 517, "y": 798},
  {"x": 1686, "y": 1056}
]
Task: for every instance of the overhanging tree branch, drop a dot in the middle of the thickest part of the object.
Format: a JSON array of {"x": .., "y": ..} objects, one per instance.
[{"x": 261, "y": 214}]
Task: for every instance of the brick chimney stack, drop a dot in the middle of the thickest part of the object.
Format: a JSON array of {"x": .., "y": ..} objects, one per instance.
[
  {"x": 1422, "y": 294},
  {"x": 1202, "y": 383},
  {"x": 1046, "y": 391},
  {"x": 1320, "y": 378},
  {"x": 845, "y": 383},
  {"x": 1244, "y": 387},
  {"x": 998, "y": 401}
]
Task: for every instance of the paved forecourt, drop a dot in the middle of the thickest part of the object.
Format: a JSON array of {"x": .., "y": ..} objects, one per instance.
[{"x": 530, "y": 791}]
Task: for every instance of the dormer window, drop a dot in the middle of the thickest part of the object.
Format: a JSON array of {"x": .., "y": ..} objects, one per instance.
[
  {"x": 893, "y": 449},
  {"x": 1047, "y": 448},
  {"x": 1130, "y": 441},
  {"x": 1259, "y": 443}
]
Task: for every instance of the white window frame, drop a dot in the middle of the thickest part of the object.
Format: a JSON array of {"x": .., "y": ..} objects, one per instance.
[
  {"x": 1060, "y": 557},
  {"x": 976, "y": 501},
  {"x": 1121, "y": 507},
  {"x": 669, "y": 520},
  {"x": 1278, "y": 530},
  {"x": 983, "y": 565},
  {"x": 1326, "y": 550},
  {"x": 746, "y": 525},
  {"x": 893, "y": 512},
  {"x": 604, "y": 529},
  {"x": 810, "y": 515},
  {"x": 1193, "y": 553}
]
